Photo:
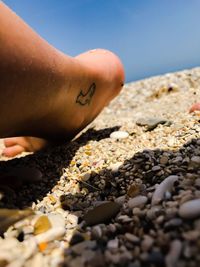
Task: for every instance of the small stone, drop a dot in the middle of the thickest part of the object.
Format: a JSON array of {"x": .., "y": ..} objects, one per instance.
[
  {"x": 113, "y": 244},
  {"x": 173, "y": 223},
  {"x": 164, "y": 160},
  {"x": 154, "y": 212},
  {"x": 163, "y": 187},
  {"x": 80, "y": 247},
  {"x": 119, "y": 135},
  {"x": 197, "y": 182},
  {"x": 132, "y": 238},
  {"x": 76, "y": 238},
  {"x": 150, "y": 123},
  {"x": 156, "y": 168},
  {"x": 174, "y": 253},
  {"x": 115, "y": 167},
  {"x": 42, "y": 225},
  {"x": 190, "y": 209},
  {"x": 138, "y": 201},
  {"x": 192, "y": 235},
  {"x": 194, "y": 107},
  {"x": 147, "y": 243},
  {"x": 134, "y": 189},
  {"x": 194, "y": 162},
  {"x": 86, "y": 176},
  {"x": 120, "y": 200},
  {"x": 102, "y": 213},
  {"x": 96, "y": 232}
]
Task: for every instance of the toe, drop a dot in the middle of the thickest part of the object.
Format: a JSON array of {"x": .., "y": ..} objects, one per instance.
[{"x": 12, "y": 151}]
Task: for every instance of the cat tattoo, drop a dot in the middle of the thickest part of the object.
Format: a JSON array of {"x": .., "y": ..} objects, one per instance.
[{"x": 84, "y": 98}]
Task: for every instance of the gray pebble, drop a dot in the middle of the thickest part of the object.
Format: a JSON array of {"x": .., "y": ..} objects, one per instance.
[
  {"x": 190, "y": 209},
  {"x": 173, "y": 223},
  {"x": 138, "y": 201},
  {"x": 132, "y": 238},
  {"x": 153, "y": 212},
  {"x": 147, "y": 243},
  {"x": 150, "y": 123},
  {"x": 197, "y": 182},
  {"x": 120, "y": 200},
  {"x": 174, "y": 253}
]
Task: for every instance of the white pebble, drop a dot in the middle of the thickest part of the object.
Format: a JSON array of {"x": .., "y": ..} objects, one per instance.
[
  {"x": 119, "y": 135},
  {"x": 162, "y": 188},
  {"x": 112, "y": 244},
  {"x": 138, "y": 201},
  {"x": 190, "y": 209}
]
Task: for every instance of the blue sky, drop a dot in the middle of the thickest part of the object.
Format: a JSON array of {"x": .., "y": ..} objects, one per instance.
[{"x": 150, "y": 36}]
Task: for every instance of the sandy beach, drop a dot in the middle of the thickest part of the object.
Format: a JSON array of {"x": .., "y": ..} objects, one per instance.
[{"x": 125, "y": 192}]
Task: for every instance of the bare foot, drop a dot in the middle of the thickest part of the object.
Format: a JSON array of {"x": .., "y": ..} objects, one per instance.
[{"x": 82, "y": 104}]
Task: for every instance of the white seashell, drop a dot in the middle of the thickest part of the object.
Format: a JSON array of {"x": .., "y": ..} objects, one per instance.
[
  {"x": 190, "y": 209},
  {"x": 162, "y": 188}
]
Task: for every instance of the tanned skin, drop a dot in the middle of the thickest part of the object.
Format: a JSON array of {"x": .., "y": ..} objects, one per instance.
[{"x": 47, "y": 96}]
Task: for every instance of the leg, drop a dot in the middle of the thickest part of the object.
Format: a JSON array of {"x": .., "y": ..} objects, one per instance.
[{"x": 50, "y": 95}]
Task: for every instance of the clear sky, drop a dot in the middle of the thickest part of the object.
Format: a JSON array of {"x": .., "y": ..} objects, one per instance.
[{"x": 150, "y": 36}]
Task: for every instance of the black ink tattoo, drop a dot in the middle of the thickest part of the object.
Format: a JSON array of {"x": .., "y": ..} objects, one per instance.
[{"x": 85, "y": 98}]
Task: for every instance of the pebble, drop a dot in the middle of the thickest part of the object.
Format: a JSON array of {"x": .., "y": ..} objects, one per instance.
[
  {"x": 132, "y": 238},
  {"x": 147, "y": 243},
  {"x": 174, "y": 253},
  {"x": 194, "y": 107},
  {"x": 80, "y": 247},
  {"x": 134, "y": 189},
  {"x": 162, "y": 188},
  {"x": 138, "y": 201},
  {"x": 190, "y": 209},
  {"x": 119, "y": 135},
  {"x": 150, "y": 123},
  {"x": 115, "y": 167},
  {"x": 154, "y": 212},
  {"x": 102, "y": 213},
  {"x": 113, "y": 244},
  {"x": 164, "y": 160},
  {"x": 96, "y": 232},
  {"x": 173, "y": 223},
  {"x": 194, "y": 162},
  {"x": 120, "y": 200},
  {"x": 197, "y": 182}
]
